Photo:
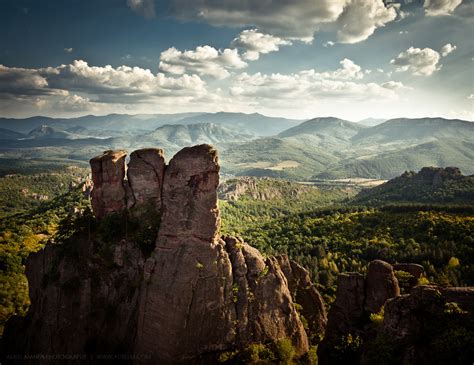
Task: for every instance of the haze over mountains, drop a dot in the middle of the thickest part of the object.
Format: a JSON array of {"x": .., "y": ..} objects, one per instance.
[{"x": 252, "y": 144}]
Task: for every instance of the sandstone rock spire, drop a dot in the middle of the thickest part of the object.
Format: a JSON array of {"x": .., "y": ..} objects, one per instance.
[{"x": 108, "y": 171}]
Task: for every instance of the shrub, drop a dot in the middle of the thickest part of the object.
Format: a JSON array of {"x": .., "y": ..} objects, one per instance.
[{"x": 285, "y": 351}]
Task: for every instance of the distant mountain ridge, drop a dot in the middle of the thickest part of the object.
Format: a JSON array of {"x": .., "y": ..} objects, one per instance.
[
  {"x": 320, "y": 148},
  {"x": 257, "y": 124}
]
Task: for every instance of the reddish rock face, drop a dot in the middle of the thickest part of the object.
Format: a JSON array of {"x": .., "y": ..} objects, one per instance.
[
  {"x": 190, "y": 208},
  {"x": 222, "y": 293},
  {"x": 145, "y": 176},
  {"x": 381, "y": 284},
  {"x": 305, "y": 294},
  {"x": 108, "y": 171}
]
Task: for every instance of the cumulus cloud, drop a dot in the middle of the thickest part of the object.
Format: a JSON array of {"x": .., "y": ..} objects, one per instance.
[
  {"x": 420, "y": 62},
  {"x": 447, "y": 49},
  {"x": 105, "y": 84},
  {"x": 145, "y": 8},
  {"x": 204, "y": 60},
  {"x": 348, "y": 71},
  {"x": 24, "y": 82},
  {"x": 360, "y": 18},
  {"x": 291, "y": 19},
  {"x": 68, "y": 50},
  {"x": 440, "y": 7},
  {"x": 75, "y": 103},
  {"x": 308, "y": 86},
  {"x": 255, "y": 43}
]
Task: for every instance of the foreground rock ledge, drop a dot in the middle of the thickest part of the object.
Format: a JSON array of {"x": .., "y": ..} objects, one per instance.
[{"x": 195, "y": 296}]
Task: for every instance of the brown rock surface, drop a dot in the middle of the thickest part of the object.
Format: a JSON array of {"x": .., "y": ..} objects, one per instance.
[
  {"x": 108, "y": 172},
  {"x": 224, "y": 295},
  {"x": 418, "y": 324},
  {"x": 189, "y": 196},
  {"x": 78, "y": 305},
  {"x": 145, "y": 176},
  {"x": 381, "y": 284},
  {"x": 306, "y": 295}
]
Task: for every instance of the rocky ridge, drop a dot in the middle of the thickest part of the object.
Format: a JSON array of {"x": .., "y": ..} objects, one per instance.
[{"x": 194, "y": 297}]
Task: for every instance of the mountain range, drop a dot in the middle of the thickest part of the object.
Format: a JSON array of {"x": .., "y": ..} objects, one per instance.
[{"x": 253, "y": 144}]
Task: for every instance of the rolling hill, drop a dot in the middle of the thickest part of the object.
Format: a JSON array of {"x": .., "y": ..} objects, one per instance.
[
  {"x": 419, "y": 130},
  {"x": 429, "y": 185},
  {"x": 8, "y": 134},
  {"x": 328, "y": 148}
]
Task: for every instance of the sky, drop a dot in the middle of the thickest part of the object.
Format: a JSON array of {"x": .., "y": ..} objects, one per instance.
[{"x": 300, "y": 59}]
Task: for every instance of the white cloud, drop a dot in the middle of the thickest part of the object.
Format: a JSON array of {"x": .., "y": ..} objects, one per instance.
[
  {"x": 447, "y": 49},
  {"x": 348, "y": 71},
  {"x": 394, "y": 85},
  {"x": 328, "y": 44},
  {"x": 256, "y": 43},
  {"x": 471, "y": 96},
  {"x": 204, "y": 60},
  {"x": 360, "y": 19},
  {"x": 304, "y": 88},
  {"x": 146, "y": 8},
  {"x": 440, "y": 7},
  {"x": 291, "y": 19},
  {"x": 105, "y": 84},
  {"x": 420, "y": 62},
  {"x": 68, "y": 50},
  {"x": 75, "y": 103}
]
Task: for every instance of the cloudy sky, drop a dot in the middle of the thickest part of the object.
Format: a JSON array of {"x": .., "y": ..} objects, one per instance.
[{"x": 295, "y": 58}]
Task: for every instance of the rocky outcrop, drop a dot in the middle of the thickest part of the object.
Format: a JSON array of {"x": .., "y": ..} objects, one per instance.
[
  {"x": 145, "y": 175},
  {"x": 192, "y": 297},
  {"x": 108, "y": 172},
  {"x": 310, "y": 302},
  {"x": 81, "y": 303},
  {"x": 261, "y": 189},
  {"x": 431, "y": 325},
  {"x": 356, "y": 298},
  {"x": 380, "y": 285},
  {"x": 223, "y": 293}
]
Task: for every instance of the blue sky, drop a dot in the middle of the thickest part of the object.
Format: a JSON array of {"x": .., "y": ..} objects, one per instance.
[{"x": 295, "y": 58}]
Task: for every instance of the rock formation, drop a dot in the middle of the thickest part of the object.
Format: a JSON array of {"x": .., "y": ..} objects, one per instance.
[
  {"x": 356, "y": 298},
  {"x": 430, "y": 325},
  {"x": 311, "y": 303},
  {"x": 193, "y": 297},
  {"x": 145, "y": 175},
  {"x": 108, "y": 172},
  {"x": 380, "y": 285}
]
